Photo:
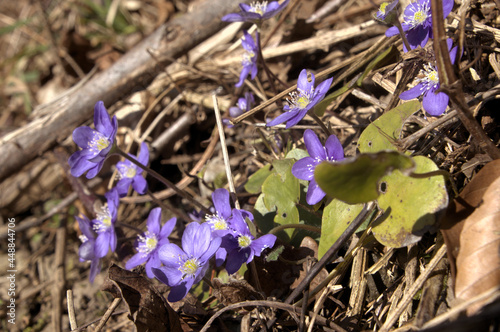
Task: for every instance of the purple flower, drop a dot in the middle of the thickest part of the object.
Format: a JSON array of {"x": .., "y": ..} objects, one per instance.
[
  {"x": 241, "y": 246},
  {"x": 249, "y": 58},
  {"x": 130, "y": 174},
  {"x": 244, "y": 105},
  {"x": 104, "y": 224},
  {"x": 302, "y": 100},
  {"x": 95, "y": 143},
  {"x": 86, "y": 252},
  {"x": 303, "y": 169},
  {"x": 386, "y": 11},
  {"x": 417, "y": 22},
  {"x": 219, "y": 221},
  {"x": 428, "y": 83},
  {"x": 149, "y": 243},
  {"x": 256, "y": 12},
  {"x": 184, "y": 267}
]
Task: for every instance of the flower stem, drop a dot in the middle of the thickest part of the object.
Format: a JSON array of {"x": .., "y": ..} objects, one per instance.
[
  {"x": 402, "y": 33},
  {"x": 320, "y": 123},
  {"x": 166, "y": 182}
]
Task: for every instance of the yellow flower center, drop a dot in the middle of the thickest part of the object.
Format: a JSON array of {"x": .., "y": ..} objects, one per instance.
[
  {"x": 419, "y": 17},
  {"x": 190, "y": 266},
  {"x": 151, "y": 242},
  {"x": 244, "y": 241},
  {"x": 383, "y": 6}
]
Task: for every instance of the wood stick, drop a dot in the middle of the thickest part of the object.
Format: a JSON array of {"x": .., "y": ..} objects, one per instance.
[{"x": 55, "y": 121}]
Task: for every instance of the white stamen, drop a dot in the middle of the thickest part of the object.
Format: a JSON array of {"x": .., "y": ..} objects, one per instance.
[{"x": 258, "y": 7}]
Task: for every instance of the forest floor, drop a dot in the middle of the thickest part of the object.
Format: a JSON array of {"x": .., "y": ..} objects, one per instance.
[{"x": 54, "y": 48}]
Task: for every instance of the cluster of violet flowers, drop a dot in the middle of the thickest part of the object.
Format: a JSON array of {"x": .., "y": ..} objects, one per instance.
[
  {"x": 225, "y": 234},
  {"x": 417, "y": 29}
]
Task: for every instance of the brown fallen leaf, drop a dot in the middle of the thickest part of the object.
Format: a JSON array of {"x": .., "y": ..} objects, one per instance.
[
  {"x": 478, "y": 261},
  {"x": 463, "y": 206},
  {"x": 147, "y": 307}
]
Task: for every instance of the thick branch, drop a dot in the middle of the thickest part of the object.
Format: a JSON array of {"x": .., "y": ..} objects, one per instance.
[{"x": 136, "y": 68}]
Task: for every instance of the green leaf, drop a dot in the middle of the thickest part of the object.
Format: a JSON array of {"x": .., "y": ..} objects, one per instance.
[
  {"x": 355, "y": 180},
  {"x": 255, "y": 181},
  {"x": 410, "y": 205},
  {"x": 281, "y": 190},
  {"x": 274, "y": 254},
  {"x": 378, "y": 62},
  {"x": 382, "y": 133},
  {"x": 297, "y": 154},
  {"x": 320, "y": 108},
  {"x": 336, "y": 217}
]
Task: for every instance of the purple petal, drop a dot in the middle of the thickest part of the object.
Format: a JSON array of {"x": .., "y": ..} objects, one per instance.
[
  {"x": 143, "y": 157},
  {"x": 113, "y": 240},
  {"x": 167, "y": 228},
  {"x": 321, "y": 90},
  {"x": 153, "y": 262},
  {"x": 171, "y": 255},
  {"x": 95, "y": 268},
  {"x": 102, "y": 244},
  {"x": 334, "y": 149},
  {"x": 303, "y": 169},
  {"x": 220, "y": 198},
  {"x": 169, "y": 276},
  {"x": 447, "y": 7},
  {"x": 392, "y": 31},
  {"x": 297, "y": 117},
  {"x": 78, "y": 164},
  {"x": 435, "y": 103},
  {"x": 154, "y": 218},
  {"x": 102, "y": 121},
  {"x": 85, "y": 226},
  {"x": 196, "y": 239},
  {"x": 86, "y": 251},
  {"x": 93, "y": 171},
  {"x": 282, "y": 118},
  {"x": 233, "y": 17},
  {"x": 178, "y": 292},
  {"x": 314, "y": 193},
  {"x": 414, "y": 92},
  {"x": 302, "y": 83},
  {"x": 137, "y": 259},
  {"x": 417, "y": 36},
  {"x": 263, "y": 242},
  {"x": 235, "y": 259},
  {"x": 212, "y": 248},
  {"x": 122, "y": 186},
  {"x": 82, "y": 136},
  {"x": 140, "y": 184},
  {"x": 313, "y": 145},
  {"x": 245, "y": 7},
  {"x": 238, "y": 224},
  {"x": 243, "y": 75}
]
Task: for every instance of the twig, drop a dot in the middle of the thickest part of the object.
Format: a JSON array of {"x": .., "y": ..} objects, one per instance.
[
  {"x": 327, "y": 257},
  {"x": 225, "y": 155},
  {"x": 186, "y": 180},
  {"x": 71, "y": 310},
  {"x": 389, "y": 322},
  {"x": 109, "y": 312},
  {"x": 452, "y": 86},
  {"x": 163, "y": 180},
  {"x": 59, "y": 278}
]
